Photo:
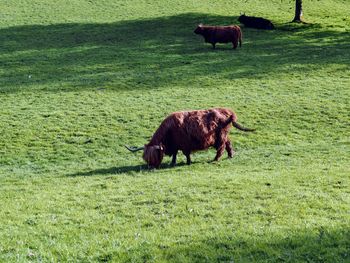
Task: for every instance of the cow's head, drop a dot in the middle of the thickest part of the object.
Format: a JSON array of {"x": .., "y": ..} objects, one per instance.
[
  {"x": 199, "y": 30},
  {"x": 242, "y": 17},
  {"x": 152, "y": 154}
]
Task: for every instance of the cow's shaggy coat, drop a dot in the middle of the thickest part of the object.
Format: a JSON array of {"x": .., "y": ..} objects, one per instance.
[
  {"x": 220, "y": 34},
  {"x": 190, "y": 131}
]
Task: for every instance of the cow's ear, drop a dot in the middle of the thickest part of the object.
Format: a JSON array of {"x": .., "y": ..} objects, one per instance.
[{"x": 200, "y": 25}]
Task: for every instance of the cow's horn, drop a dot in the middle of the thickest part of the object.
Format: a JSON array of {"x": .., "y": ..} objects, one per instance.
[
  {"x": 134, "y": 149},
  {"x": 159, "y": 147}
]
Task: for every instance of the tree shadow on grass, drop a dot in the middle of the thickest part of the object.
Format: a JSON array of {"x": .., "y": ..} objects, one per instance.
[
  {"x": 320, "y": 245},
  {"x": 152, "y": 53}
]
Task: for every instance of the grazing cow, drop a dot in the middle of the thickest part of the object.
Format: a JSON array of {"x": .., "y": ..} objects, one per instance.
[
  {"x": 220, "y": 34},
  {"x": 256, "y": 22},
  {"x": 190, "y": 131}
]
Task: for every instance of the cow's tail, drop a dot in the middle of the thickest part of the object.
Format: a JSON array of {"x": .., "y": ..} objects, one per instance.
[
  {"x": 232, "y": 119},
  {"x": 228, "y": 121},
  {"x": 240, "y": 38},
  {"x": 240, "y": 127}
]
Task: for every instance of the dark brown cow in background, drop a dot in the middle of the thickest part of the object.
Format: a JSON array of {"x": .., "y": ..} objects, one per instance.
[
  {"x": 256, "y": 22},
  {"x": 190, "y": 131},
  {"x": 220, "y": 34}
]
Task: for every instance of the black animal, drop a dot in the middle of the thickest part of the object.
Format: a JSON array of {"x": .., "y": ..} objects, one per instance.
[{"x": 256, "y": 22}]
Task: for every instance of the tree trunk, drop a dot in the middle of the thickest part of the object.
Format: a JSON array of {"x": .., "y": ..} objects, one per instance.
[{"x": 298, "y": 11}]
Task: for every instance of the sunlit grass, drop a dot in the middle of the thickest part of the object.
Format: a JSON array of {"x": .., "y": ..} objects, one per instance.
[{"x": 79, "y": 80}]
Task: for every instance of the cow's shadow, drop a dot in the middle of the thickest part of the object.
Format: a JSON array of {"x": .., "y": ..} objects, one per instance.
[
  {"x": 111, "y": 170},
  {"x": 127, "y": 170}
]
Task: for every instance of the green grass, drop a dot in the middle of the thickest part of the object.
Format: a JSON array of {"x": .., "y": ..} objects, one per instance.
[{"x": 79, "y": 79}]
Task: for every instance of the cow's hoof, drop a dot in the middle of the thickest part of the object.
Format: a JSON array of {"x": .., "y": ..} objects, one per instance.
[{"x": 231, "y": 155}]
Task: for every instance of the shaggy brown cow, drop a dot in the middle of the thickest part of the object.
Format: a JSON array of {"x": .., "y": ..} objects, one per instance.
[
  {"x": 220, "y": 34},
  {"x": 190, "y": 131}
]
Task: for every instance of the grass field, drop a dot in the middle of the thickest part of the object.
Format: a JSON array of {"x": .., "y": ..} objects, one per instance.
[{"x": 80, "y": 79}]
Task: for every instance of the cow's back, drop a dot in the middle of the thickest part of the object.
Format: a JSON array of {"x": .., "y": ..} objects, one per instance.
[
  {"x": 223, "y": 34},
  {"x": 196, "y": 130}
]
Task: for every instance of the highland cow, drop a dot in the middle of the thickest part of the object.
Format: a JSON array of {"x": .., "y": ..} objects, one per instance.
[
  {"x": 220, "y": 34},
  {"x": 256, "y": 22},
  {"x": 190, "y": 131}
]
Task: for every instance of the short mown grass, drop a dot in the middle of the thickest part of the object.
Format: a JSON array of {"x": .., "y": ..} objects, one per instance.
[{"x": 80, "y": 79}]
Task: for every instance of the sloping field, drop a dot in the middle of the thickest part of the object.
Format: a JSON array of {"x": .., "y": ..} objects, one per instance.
[{"x": 80, "y": 79}]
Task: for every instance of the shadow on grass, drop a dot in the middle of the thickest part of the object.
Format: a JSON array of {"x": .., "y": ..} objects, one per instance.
[
  {"x": 112, "y": 170},
  {"x": 124, "y": 170},
  {"x": 153, "y": 53},
  {"x": 321, "y": 245}
]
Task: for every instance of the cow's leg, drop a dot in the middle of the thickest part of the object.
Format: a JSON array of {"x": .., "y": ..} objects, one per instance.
[
  {"x": 219, "y": 151},
  {"x": 173, "y": 160},
  {"x": 235, "y": 44},
  {"x": 188, "y": 157},
  {"x": 213, "y": 45},
  {"x": 229, "y": 149}
]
